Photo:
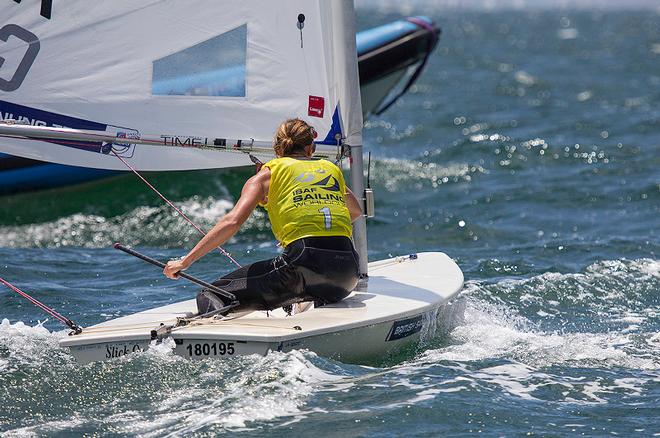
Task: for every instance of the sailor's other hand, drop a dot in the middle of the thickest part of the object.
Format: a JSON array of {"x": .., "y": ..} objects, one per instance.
[{"x": 173, "y": 268}]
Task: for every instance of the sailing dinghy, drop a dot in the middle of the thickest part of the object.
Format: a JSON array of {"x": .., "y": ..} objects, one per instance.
[
  {"x": 299, "y": 59},
  {"x": 401, "y": 301}
]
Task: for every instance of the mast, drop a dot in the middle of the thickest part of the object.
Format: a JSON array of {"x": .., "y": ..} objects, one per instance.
[
  {"x": 360, "y": 224},
  {"x": 350, "y": 108}
]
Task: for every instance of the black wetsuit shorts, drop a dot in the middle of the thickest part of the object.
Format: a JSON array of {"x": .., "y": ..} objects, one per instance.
[{"x": 320, "y": 269}]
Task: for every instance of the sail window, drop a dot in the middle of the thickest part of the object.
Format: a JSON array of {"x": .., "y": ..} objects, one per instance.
[{"x": 215, "y": 67}]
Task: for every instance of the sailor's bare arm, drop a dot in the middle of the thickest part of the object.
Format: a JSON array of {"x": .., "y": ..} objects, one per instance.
[{"x": 254, "y": 191}]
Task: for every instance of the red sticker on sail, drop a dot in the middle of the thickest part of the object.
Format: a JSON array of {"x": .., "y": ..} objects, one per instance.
[{"x": 316, "y": 106}]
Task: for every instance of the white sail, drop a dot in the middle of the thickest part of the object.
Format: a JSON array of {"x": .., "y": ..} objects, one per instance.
[
  {"x": 213, "y": 69},
  {"x": 346, "y": 69}
]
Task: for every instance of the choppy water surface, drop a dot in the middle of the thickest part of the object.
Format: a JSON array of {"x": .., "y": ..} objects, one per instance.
[{"x": 529, "y": 151}]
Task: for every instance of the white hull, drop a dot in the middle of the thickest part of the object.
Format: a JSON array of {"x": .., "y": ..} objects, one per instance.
[
  {"x": 375, "y": 92},
  {"x": 398, "y": 303}
]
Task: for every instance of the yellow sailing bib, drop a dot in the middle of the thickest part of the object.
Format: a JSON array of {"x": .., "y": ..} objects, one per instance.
[{"x": 307, "y": 198}]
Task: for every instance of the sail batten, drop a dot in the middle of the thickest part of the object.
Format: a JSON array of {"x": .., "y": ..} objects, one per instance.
[{"x": 129, "y": 67}]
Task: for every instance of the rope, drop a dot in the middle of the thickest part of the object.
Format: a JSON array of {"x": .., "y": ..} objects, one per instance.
[
  {"x": 123, "y": 327},
  {"x": 194, "y": 323},
  {"x": 72, "y": 325},
  {"x": 172, "y": 205},
  {"x": 234, "y": 322}
]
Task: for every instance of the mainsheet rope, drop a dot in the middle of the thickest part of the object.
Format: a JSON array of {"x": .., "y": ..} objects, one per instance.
[
  {"x": 172, "y": 205},
  {"x": 72, "y": 325}
]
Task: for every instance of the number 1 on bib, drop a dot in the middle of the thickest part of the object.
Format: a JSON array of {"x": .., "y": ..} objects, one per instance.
[{"x": 327, "y": 217}]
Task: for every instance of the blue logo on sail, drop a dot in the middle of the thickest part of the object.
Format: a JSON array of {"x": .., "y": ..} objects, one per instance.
[{"x": 37, "y": 117}]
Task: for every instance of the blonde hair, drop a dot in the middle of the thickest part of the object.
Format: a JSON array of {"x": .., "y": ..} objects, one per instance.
[{"x": 292, "y": 137}]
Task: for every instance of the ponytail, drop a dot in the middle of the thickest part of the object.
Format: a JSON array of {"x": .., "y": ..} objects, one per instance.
[{"x": 292, "y": 137}]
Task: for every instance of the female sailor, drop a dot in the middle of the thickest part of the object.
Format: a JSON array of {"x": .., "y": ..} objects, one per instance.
[{"x": 310, "y": 210}]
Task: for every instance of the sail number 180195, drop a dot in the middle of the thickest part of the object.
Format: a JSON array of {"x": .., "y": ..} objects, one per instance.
[{"x": 211, "y": 349}]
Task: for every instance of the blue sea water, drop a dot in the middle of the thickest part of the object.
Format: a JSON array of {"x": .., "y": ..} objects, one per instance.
[{"x": 529, "y": 151}]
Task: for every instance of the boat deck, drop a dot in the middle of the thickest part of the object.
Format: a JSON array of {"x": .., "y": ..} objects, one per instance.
[{"x": 397, "y": 288}]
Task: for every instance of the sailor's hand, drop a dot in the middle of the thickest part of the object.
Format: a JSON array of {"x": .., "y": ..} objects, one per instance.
[{"x": 173, "y": 268}]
